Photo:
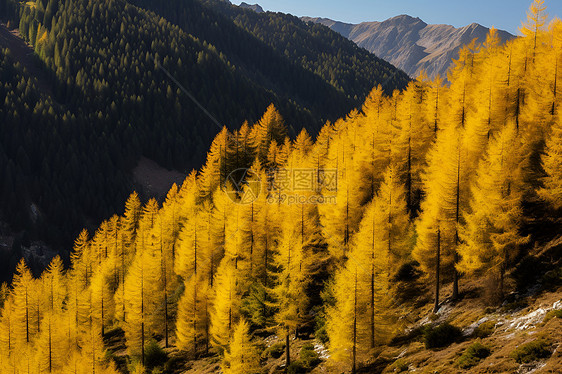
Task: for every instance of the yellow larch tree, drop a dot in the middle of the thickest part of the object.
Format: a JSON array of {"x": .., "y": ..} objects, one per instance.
[
  {"x": 537, "y": 110},
  {"x": 162, "y": 236},
  {"x": 536, "y": 21},
  {"x": 124, "y": 237},
  {"x": 100, "y": 245},
  {"x": 187, "y": 254},
  {"x": 24, "y": 318},
  {"x": 491, "y": 234},
  {"x": 92, "y": 357},
  {"x": 7, "y": 342},
  {"x": 320, "y": 150},
  {"x": 268, "y": 226},
  {"x": 226, "y": 305},
  {"x": 553, "y": 70},
  {"x": 236, "y": 248},
  {"x": 51, "y": 349},
  {"x": 373, "y": 153},
  {"x": 102, "y": 282},
  {"x": 192, "y": 325},
  {"x": 542, "y": 86},
  {"x": 445, "y": 186},
  {"x": 150, "y": 244},
  {"x": 78, "y": 280},
  {"x": 489, "y": 115},
  {"x": 148, "y": 216},
  {"x": 270, "y": 127},
  {"x": 343, "y": 317},
  {"x": 391, "y": 219},
  {"x": 102, "y": 307},
  {"x": 114, "y": 242},
  {"x": 50, "y": 354},
  {"x": 341, "y": 220},
  {"x": 252, "y": 238},
  {"x": 361, "y": 316},
  {"x": 515, "y": 84},
  {"x": 242, "y": 356},
  {"x": 81, "y": 259},
  {"x": 552, "y": 164},
  {"x": 413, "y": 137},
  {"x": 129, "y": 225},
  {"x": 298, "y": 256},
  {"x": 171, "y": 220},
  {"x": 462, "y": 78},
  {"x": 260, "y": 229},
  {"x": 436, "y": 99},
  {"x": 192, "y": 265},
  {"x": 208, "y": 241},
  {"x": 216, "y": 169},
  {"x": 274, "y": 157},
  {"x": 220, "y": 223},
  {"x": 371, "y": 253},
  {"x": 259, "y": 226},
  {"x": 141, "y": 287},
  {"x": 242, "y": 150},
  {"x": 70, "y": 329},
  {"x": 360, "y": 288},
  {"x": 55, "y": 286}
]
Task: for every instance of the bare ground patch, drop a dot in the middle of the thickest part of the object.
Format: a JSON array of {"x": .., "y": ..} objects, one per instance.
[{"x": 155, "y": 180}]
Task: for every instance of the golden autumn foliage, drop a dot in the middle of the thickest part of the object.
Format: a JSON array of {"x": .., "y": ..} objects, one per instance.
[
  {"x": 242, "y": 356},
  {"x": 490, "y": 235},
  {"x": 226, "y": 306},
  {"x": 358, "y": 320},
  {"x": 192, "y": 326},
  {"x": 437, "y": 174},
  {"x": 552, "y": 164}
]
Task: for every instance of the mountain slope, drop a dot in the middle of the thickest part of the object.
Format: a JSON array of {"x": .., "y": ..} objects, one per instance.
[
  {"x": 95, "y": 97},
  {"x": 411, "y": 44},
  {"x": 351, "y": 245},
  {"x": 338, "y": 61},
  {"x": 300, "y": 90}
]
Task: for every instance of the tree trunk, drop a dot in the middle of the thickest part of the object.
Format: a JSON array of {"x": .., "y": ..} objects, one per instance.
[
  {"x": 372, "y": 309},
  {"x": 437, "y": 271},
  {"x": 142, "y": 315},
  {"x": 502, "y": 273},
  {"x": 195, "y": 322},
  {"x": 456, "y": 259},
  {"x": 287, "y": 351},
  {"x": 26, "y": 318},
  {"x": 166, "y": 316},
  {"x": 409, "y": 176},
  {"x": 455, "y": 278},
  {"x": 354, "y": 367},
  {"x": 123, "y": 279},
  {"x": 50, "y": 348},
  {"x": 102, "y": 314},
  {"x": 142, "y": 343}
]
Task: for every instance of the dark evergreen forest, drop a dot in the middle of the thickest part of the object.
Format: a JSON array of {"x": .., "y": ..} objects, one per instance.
[{"x": 71, "y": 137}]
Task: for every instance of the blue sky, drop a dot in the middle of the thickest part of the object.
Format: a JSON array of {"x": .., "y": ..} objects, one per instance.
[{"x": 503, "y": 14}]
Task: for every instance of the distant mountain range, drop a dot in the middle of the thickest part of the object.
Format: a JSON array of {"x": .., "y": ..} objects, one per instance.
[
  {"x": 408, "y": 43},
  {"x": 255, "y": 7},
  {"x": 411, "y": 44}
]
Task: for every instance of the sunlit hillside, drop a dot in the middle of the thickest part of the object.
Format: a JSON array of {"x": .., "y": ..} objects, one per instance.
[{"x": 419, "y": 233}]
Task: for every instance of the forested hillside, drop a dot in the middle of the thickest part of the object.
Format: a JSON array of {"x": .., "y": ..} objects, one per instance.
[
  {"x": 105, "y": 98},
  {"x": 418, "y": 195},
  {"x": 337, "y": 60}
]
